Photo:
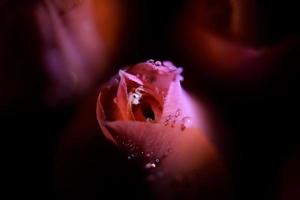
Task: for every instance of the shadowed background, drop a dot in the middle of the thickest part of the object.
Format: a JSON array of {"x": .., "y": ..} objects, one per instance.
[{"x": 239, "y": 57}]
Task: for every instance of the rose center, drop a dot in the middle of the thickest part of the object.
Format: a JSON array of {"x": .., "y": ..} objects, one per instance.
[
  {"x": 145, "y": 107},
  {"x": 143, "y": 112}
]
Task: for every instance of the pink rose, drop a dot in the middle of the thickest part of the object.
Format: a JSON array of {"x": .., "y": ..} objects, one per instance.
[{"x": 146, "y": 113}]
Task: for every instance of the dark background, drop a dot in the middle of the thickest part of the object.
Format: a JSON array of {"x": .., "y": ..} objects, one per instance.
[{"x": 260, "y": 144}]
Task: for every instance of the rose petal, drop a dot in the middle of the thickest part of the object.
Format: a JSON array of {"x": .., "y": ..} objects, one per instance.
[
  {"x": 130, "y": 77},
  {"x": 155, "y": 77},
  {"x": 188, "y": 149},
  {"x": 179, "y": 106}
]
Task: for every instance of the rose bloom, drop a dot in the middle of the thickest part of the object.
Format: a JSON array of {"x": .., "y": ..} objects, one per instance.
[{"x": 147, "y": 114}]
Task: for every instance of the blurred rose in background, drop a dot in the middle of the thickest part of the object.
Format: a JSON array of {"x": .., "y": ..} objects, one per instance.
[
  {"x": 55, "y": 51},
  {"x": 229, "y": 41}
]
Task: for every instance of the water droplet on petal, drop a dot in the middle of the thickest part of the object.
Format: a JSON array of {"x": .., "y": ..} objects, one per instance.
[
  {"x": 158, "y": 63},
  {"x": 129, "y": 157},
  {"x": 150, "y": 61},
  {"x": 178, "y": 113},
  {"x": 149, "y": 120},
  {"x": 157, "y": 160},
  {"x": 148, "y": 154},
  {"x": 150, "y": 165},
  {"x": 166, "y": 122},
  {"x": 135, "y": 97},
  {"x": 170, "y": 66},
  {"x": 185, "y": 122}
]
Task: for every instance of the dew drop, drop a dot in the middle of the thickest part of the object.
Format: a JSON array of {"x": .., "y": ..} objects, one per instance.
[
  {"x": 166, "y": 122},
  {"x": 157, "y": 160},
  {"x": 178, "y": 113},
  {"x": 129, "y": 157},
  {"x": 150, "y": 165},
  {"x": 135, "y": 97},
  {"x": 158, "y": 63},
  {"x": 149, "y": 120},
  {"x": 148, "y": 154},
  {"x": 185, "y": 122},
  {"x": 150, "y": 61},
  {"x": 170, "y": 66}
]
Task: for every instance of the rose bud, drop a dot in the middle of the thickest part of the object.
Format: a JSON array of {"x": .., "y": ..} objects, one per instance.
[{"x": 147, "y": 114}]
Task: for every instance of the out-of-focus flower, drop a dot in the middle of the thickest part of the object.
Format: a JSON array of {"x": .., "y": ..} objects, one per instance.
[
  {"x": 77, "y": 41},
  {"x": 224, "y": 40},
  {"x": 145, "y": 111},
  {"x": 57, "y": 50}
]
